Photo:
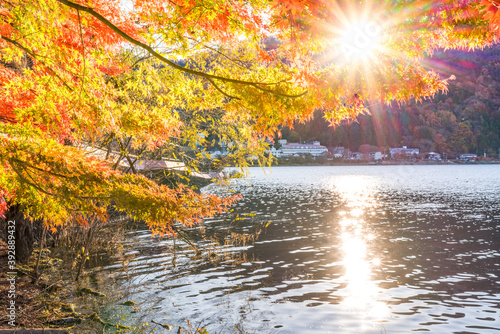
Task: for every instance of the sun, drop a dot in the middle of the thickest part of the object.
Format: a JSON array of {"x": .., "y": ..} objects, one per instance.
[{"x": 359, "y": 40}]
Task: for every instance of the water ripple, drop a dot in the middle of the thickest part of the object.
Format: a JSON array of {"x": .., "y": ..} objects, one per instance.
[{"x": 348, "y": 250}]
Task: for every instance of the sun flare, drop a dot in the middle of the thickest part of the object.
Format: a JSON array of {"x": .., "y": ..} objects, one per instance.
[{"x": 360, "y": 40}]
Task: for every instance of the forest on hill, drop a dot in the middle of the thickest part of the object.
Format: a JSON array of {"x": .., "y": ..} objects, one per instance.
[{"x": 466, "y": 119}]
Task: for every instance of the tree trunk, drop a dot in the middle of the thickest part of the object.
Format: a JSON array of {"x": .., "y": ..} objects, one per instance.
[
  {"x": 37, "y": 275},
  {"x": 23, "y": 233}
]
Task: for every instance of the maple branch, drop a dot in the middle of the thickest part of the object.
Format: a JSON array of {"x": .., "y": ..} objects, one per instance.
[
  {"x": 139, "y": 154},
  {"x": 221, "y": 91},
  {"x": 117, "y": 163},
  {"x": 33, "y": 184},
  {"x": 123, "y": 149},
  {"x": 139, "y": 60},
  {"x": 238, "y": 62},
  {"x": 122, "y": 153},
  {"x": 146, "y": 47},
  {"x": 35, "y": 56},
  {"x": 108, "y": 142},
  {"x": 27, "y": 165},
  {"x": 7, "y": 119}
]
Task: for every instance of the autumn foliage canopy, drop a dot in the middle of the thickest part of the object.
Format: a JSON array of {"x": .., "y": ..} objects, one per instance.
[{"x": 149, "y": 76}]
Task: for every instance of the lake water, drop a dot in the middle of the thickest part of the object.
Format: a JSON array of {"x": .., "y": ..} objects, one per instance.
[{"x": 365, "y": 249}]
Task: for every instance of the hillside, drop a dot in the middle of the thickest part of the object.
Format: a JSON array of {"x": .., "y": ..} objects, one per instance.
[{"x": 465, "y": 120}]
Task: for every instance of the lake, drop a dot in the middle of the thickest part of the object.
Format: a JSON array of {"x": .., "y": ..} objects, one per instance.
[{"x": 364, "y": 249}]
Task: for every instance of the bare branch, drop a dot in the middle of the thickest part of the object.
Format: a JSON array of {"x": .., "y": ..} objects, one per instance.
[{"x": 124, "y": 152}]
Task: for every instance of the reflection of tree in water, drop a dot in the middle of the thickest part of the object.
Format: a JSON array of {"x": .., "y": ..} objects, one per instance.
[{"x": 221, "y": 241}]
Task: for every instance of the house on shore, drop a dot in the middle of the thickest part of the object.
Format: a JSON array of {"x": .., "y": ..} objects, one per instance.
[
  {"x": 434, "y": 156},
  {"x": 315, "y": 149},
  {"x": 375, "y": 155},
  {"x": 149, "y": 168},
  {"x": 468, "y": 157},
  {"x": 275, "y": 152},
  {"x": 403, "y": 152},
  {"x": 356, "y": 156},
  {"x": 339, "y": 152}
]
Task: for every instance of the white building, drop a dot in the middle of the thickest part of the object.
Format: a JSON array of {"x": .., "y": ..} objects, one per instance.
[
  {"x": 376, "y": 155},
  {"x": 434, "y": 156},
  {"x": 395, "y": 152},
  {"x": 339, "y": 152},
  {"x": 275, "y": 152},
  {"x": 468, "y": 157},
  {"x": 314, "y": 149}
]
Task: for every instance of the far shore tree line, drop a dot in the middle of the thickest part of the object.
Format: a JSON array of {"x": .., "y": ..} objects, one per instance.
[
  {"x": 466, "y": 119},
  {"x": 330, "y": 159}
]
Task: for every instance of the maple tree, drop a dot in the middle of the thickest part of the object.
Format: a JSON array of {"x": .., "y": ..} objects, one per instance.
[{"x": 144, "y": 78}]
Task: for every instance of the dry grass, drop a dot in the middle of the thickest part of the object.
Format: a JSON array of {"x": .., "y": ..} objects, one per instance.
[{"x": 35, "y": 302}]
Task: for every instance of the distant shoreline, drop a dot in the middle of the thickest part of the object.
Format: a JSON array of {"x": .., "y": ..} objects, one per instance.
[{"x": 387, "y": 163}]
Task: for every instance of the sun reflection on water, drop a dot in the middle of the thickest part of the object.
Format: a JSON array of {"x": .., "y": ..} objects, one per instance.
[{"x": 360, "y": 293}]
